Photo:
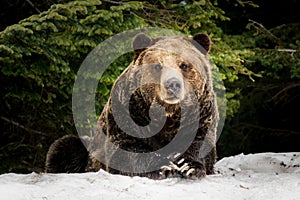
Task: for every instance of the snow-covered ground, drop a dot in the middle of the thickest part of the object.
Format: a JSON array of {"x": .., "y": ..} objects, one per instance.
[{"x": 256, "y": 176}]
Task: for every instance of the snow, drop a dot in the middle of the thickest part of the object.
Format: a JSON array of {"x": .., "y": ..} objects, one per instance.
[{"x": 254, "y": 176}]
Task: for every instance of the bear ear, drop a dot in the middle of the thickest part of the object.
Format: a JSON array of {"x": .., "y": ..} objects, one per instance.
[
  {"x": 141, "y": 42},
  {"x": 203, "y": 41}
]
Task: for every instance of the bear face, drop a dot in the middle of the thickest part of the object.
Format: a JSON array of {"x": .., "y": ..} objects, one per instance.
[{"x": 169, "y": 72}]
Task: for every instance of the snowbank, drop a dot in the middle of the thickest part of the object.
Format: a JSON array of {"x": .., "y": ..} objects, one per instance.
[{"x": 255, "y": 176}]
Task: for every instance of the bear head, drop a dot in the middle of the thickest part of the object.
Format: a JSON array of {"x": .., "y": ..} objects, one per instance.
[{"x": 174, "y": 64}]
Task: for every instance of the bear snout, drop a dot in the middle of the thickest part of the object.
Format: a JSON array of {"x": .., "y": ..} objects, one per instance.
[
  {"x": 173, "y": 87},
  {"x": 173, "y": 90}
]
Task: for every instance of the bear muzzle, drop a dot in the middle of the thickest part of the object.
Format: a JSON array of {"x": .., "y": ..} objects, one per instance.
[
  {"x": 173, "y": 90},
  {"x": 173, "y": 87}
]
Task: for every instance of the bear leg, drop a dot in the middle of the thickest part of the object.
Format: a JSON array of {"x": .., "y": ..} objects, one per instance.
[{"x": 67, "y": 155}]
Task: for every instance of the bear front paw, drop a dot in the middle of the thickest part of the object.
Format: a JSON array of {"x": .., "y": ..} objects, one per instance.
[{"x": 181, "y": 169}]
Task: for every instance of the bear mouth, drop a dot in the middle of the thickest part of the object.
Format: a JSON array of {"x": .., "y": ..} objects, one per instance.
[{"x": 172, "y": 99}]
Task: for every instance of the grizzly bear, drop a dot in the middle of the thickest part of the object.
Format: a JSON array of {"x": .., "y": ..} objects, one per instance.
[{"x": 164, "y": 95}]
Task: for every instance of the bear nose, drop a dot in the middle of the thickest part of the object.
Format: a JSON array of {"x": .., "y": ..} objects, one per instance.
[{"x": 173, "y": 86}]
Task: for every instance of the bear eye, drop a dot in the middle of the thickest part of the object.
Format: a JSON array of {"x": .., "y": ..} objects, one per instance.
[
  {"x": 157, "y": 67},
  {"x": 184, "y": 67}
]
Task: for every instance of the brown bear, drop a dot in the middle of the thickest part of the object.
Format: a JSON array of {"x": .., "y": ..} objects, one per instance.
[{"x": 164, "y": 95}]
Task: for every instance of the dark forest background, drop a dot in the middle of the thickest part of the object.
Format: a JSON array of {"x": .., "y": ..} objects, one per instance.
[{"x": 256, "y": 47}]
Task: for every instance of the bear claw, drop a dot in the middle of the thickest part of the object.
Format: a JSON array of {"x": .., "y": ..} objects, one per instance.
[{"x": 179, "y": 169}]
